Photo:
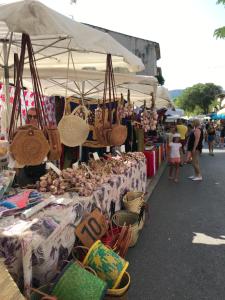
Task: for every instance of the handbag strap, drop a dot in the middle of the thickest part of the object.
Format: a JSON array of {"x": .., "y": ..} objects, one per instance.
[
  {"x": 38, "y": 94},
  {"x": 85, "y": 110}
]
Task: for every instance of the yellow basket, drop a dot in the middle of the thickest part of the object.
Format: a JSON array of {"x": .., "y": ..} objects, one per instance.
[{"x": 122, "y": 288}]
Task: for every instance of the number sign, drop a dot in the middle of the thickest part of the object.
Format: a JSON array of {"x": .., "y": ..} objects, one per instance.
[{"x": 92, "y": 228}]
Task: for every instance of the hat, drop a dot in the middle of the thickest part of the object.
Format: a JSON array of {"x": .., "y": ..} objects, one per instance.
[{"x": 176, "y": 135}]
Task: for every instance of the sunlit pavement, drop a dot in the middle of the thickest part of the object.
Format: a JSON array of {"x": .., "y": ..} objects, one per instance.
[{"x": 181, "y": 252}]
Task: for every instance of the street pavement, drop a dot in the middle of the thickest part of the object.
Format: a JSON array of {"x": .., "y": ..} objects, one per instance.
[{"x": 180, "y": 254}]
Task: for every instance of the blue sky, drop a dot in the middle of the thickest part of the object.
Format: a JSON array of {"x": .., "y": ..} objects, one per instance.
[{"x": 183, "y": 28}]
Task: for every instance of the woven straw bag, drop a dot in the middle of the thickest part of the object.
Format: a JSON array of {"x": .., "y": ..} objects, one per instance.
[
  {"x": 123, "y": 217},
  {"x": 119, "y": 293},
  {"x": 73, "y": 129},
  {"x": 133, "y": 201},
  {"x": 29, "y": 146}
]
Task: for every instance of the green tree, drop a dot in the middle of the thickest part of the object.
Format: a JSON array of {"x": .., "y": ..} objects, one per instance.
[
  {"x": 198, "y": 98},
  {"x": 220, "y": 32}
]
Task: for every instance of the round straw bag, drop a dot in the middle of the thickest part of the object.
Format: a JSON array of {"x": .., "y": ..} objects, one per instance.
[
  {"x": 119, "y": 293},
  {"x": 133, "y": 201},
  {"x": 123, "y": 217},
  {"x": 73, "y": 129},
  {"x": 29, "y": 146},
  {"x": 108, "y": 265}
]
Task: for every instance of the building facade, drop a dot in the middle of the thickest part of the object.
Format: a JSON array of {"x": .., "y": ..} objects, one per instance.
[{"x": 148, "y": 51}]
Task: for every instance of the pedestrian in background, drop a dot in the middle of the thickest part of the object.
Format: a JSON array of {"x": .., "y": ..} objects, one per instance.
[
  {"x": 211, "y": 136},
  {"x": 174, "y": 157},
  {"x": 222, "y": 135},
  {"x": 182, "y": 130},
  {"x": 188, "y": 153},
  {"x": 195, "y": 147}
]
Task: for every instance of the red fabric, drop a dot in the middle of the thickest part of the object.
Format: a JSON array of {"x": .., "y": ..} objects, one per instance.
[
  {"x": 149, "y": 163},
  {"x": 157, "y": 158}
]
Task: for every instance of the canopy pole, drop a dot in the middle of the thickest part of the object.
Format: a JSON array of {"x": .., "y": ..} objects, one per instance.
[{"x": 6, "y": 85}]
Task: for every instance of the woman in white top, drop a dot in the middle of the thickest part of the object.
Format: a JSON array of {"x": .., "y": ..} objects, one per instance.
[{"x": 174, "y": 157}]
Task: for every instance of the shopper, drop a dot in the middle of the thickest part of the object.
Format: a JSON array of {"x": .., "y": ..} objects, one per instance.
[
  {"x": 211, "y": 136},
  {"x": 222, "y": 135},
  {"x": 182, "y": 130},
  {"x": 174, "y": 157},
  {"x": 195, "y": 147},
  {"x": 188, "y": 153}
]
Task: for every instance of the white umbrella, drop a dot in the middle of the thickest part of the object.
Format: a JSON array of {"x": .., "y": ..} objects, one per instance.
[
  {"x": 54, "y": 38},
  {"x": 90, "y": 84},
  {"x": 163, "y": 98},
  {"x": 54, "y": 35}
]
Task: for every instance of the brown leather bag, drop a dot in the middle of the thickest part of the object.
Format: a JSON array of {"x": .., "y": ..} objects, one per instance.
[
  {"x": 108, "y": 133},
  {"x": 52, "y": 134}
]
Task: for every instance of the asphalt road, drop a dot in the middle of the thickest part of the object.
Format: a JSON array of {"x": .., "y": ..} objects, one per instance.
[{"x": 180, "y": 253}]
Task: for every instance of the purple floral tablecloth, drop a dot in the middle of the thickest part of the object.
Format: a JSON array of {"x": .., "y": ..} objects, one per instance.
[{"x": 35, "y": 249}]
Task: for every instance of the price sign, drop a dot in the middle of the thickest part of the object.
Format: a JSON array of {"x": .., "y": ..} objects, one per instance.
[
  {"x": 123, "y": 149},
  {"x": 92, "y": 228},
  {"x": 96, "y": 156}
]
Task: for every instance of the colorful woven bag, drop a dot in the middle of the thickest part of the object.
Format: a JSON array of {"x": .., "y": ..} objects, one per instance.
[
  {"x": 108, "y": 265},
  {"x": 77, "y": 283}
]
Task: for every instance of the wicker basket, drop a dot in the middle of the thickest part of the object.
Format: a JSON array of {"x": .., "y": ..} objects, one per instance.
[
  {"x": 122, "y": 217},
  {"x": 133, "y": 201},
  {"x": 108, "y": 265},
  {"x": 119, "y": 293}
]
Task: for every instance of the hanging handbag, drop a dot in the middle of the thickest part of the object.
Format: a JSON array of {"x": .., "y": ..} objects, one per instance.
[
  {"x": 53, "y": 136},
  {"x": 108, "y": 133},
  {"x": 29, "y": 145},
  {"x": 73, "y": 129}
]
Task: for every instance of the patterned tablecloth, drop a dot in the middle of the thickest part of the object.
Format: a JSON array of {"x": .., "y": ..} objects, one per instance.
[{"x": 35, "y": 248}]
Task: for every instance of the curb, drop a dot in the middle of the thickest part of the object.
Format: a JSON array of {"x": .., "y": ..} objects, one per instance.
[{"x": 152, "y": 183}]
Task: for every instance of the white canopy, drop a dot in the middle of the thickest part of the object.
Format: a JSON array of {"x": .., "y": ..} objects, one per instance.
[
  {"x": 163, "y": 98},
  {"x": 90, "y": 84},
  {"x": 53, "y": 36}
]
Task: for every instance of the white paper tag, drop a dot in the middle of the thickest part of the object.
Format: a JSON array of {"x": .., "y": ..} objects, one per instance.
[
  {"x": 108, "y": 149},
  {"x": 76, "y": 165},
  {"x": 118, "y": 152},
  {"x": 122, "y": 149},
  {"x": 96, "y": 156},
  {"x": 54, "y": 168}
]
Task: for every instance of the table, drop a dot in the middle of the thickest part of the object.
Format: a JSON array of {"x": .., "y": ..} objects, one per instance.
[{"x": 35, "y": 249}]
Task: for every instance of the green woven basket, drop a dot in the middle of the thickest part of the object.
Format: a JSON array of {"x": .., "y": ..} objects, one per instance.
[{"x": 77, "y": 283}]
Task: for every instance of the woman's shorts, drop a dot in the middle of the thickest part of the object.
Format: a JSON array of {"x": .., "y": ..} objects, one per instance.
[
  {"x": 211, "y": 138},
  {"x": 174, "y": 160}
]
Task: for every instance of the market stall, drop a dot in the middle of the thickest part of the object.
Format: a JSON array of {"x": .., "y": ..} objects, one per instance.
[
  {"x": 35, "y": 246},
  {"x": 41, "y": 224}
]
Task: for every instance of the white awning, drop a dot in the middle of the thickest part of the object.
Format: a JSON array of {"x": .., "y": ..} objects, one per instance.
[{"x": 53, "y": 36}]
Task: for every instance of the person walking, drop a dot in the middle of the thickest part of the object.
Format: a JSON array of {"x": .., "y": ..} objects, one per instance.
[
  {"x": 188, "y": 153},
  {"x": 174, "y": 157},
  {"x": 182, "y": 130},
  {"x": 222, "y": 135},
  {"x": 195, "y": 147},
  {"x": 211, "y": 136}
]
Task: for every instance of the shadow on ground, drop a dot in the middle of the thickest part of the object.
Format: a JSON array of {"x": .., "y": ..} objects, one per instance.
[{"x": 181, "y": 253}]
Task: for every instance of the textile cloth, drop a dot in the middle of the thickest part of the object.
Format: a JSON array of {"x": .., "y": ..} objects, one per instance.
[{"x": 34, "y": 254}]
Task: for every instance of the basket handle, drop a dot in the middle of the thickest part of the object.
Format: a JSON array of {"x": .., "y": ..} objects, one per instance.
[
  {"x": 85, "y": 110},
  {"x": 45, "y": 296}
]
